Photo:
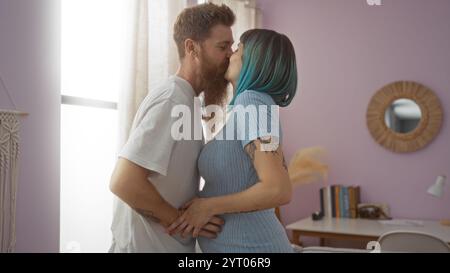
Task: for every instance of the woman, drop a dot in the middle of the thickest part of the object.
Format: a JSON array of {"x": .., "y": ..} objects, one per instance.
[{"x": 246, "y": 178}]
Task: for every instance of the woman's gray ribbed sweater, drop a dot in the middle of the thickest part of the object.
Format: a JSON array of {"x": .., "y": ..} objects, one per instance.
[{"x": 227, "y": 168}]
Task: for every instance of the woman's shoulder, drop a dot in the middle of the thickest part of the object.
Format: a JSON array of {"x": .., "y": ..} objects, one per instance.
[{"x": 252, "y": 97}]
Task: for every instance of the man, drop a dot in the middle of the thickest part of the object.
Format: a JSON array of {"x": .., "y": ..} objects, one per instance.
[{"x": 156, "y": 174}]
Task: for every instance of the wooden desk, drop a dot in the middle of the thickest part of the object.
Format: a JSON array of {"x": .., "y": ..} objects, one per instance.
[{"x": 358, "y": 229}]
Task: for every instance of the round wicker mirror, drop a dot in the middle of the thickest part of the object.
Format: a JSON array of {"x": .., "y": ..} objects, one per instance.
[{"x": 412, "y": 105}]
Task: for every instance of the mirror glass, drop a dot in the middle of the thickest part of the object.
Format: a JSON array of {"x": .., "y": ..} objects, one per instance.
[{"x": 403, "y": 116}]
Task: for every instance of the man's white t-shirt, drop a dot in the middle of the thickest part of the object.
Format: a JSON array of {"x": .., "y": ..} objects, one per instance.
[{"x": 174, "y": 166}]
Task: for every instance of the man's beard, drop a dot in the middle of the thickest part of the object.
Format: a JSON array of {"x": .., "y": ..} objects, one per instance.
[{"x": 214, "y": 82}]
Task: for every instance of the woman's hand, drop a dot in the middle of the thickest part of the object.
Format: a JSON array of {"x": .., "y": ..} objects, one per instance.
[{"x": 197, "y": 213}]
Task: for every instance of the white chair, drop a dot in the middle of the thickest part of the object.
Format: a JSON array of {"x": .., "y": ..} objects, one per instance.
[
  {"x": 324, "y": 249},
  {"x": 411, "y": 241}
]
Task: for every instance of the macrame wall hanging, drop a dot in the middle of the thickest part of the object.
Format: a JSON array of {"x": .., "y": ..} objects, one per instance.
[{"x": 9, "y": 155}]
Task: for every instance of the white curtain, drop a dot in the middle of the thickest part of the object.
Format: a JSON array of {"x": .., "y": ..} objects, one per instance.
[
  {"x": 150, "y": 54},
  {"x": 248, "y": 15}
]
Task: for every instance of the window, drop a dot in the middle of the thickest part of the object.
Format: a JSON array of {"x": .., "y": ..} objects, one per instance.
[{"x": 90, "y": 67}]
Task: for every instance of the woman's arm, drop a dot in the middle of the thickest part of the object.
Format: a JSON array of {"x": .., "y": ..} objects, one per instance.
[{"x": 273, "y": 189}]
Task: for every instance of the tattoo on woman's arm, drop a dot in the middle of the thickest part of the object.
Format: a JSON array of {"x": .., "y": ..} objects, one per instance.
[
  {"x": 284, "y": 164},
  {"x": 250, "y": 149},
  {"x": 148, "y": 214},
  {"x": 265, "y": 140}
]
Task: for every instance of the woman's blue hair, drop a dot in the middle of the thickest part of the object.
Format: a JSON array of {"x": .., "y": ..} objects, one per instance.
[{"x": 268, "y": 66}]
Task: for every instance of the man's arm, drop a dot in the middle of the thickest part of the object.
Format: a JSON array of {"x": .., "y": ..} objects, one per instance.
[{"x": 129, "y": 182}]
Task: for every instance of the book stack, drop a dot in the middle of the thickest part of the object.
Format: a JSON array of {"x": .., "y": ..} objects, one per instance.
[{"x": 340, "y": 201}]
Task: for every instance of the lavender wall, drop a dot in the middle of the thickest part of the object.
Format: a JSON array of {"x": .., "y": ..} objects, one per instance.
[
  {"x": 346, "y": 50},
  {"x": 29, "y": 64}
]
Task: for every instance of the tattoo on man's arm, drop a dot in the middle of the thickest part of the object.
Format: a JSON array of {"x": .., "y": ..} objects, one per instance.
[{"x": 147, "y": 214}]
